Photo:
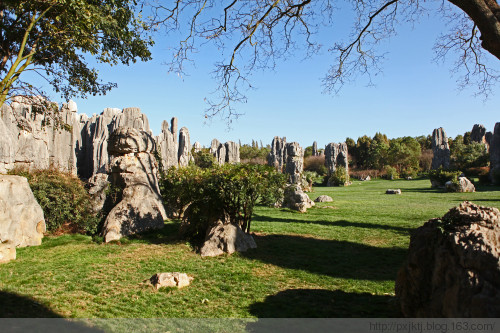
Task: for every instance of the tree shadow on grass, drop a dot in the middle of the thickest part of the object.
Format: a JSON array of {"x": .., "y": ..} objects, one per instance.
[
  {"x": 339, "y": 223},
  {"x": 424, "y": 190},
  {"x": 319, "y": 303},
  {"x": 329, "y": 257},
  {"x": 13, "y": 306}
]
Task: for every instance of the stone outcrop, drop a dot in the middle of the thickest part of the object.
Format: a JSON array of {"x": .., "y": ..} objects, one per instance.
[
  {"x": 228, "y": 152},
  {"x": 226, "y": 238},
  {"x": 296, "y": 199},
  {"x": 441, "y": 149},
  {"x": 478, "y": 134},
  {"x": 166, "y": 143},
  {"x": 197, "y": 147},
  {"x": 232, "y": 152},
  {"x": 21, "y": 217},
  {"x": 315, "y": 149},
  {"x": 336, "y": 155},
  {"x": 277, "y": 156},
  {"x": 323, "y": 198},
  {"x": 97, "y": 187},
  {"x": 133, "y": 171},
  {"x": 463, "y": 185},
  {"x": 185, "y": 155},
  {"x": 173, "y": 279},
  {"x": 294, "y": 163},
  {"x": 453, "y": 266},
  {"x": 495, "y": 155}
]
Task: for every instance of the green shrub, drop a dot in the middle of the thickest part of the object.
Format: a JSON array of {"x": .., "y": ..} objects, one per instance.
[
  {"x": 391, "y": 172},
  {"x": 439, "y": 177},
  {"x": 339, "y": 177},
  {"x": 204, "y": 159},
  {"x": 227, "y": 192},
  {"x": 65, "y": 202}
]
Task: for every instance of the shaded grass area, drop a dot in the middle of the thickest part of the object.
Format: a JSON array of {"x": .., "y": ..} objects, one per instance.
[{"x": 340, "y": 259}]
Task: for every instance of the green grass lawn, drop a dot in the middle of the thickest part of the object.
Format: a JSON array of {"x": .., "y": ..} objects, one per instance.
[{"x": 340, "y": 259}]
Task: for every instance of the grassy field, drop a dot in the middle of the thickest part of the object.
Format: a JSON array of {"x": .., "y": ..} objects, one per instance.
[{"x": 340, "y": 259}]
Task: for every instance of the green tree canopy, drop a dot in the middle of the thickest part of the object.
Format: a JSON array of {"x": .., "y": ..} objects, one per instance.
[{"x": 54, "y": 38}]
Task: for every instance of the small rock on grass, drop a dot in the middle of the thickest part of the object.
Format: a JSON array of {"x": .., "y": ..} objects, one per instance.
[
  {"x": 390, "y": 191},
  {"x": 174, "y": 279}
]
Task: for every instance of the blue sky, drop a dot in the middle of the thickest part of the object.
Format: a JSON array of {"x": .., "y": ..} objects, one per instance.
[{"x": 411, "y": 97}]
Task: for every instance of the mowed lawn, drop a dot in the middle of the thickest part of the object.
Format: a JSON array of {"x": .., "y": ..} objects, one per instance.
[{"x": 340, "y": 259}]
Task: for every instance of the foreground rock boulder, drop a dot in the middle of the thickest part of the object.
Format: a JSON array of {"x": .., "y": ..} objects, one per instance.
[
  {"x": 226, "y": 238},
  {"x": 21, "y": 217},
  {"x": 323, "y": 198},
  {"x": 174, "y": 279},
  {"x": 453, "y": 266},
  {"x": 133, "y": 176}
]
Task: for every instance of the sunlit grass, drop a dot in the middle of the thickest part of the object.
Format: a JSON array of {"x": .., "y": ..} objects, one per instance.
[{"x": 339, "y": 259}]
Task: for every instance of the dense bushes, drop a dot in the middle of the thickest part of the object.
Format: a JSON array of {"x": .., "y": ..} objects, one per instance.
[
  {"x": 253, "y": 154},
  {"x": 65, "y": 202},
  {"x": 228, "y": 192},
  {"x": 316, "y": 164},
  {"x": 339, "y": 177},
  {"x": 440, "y": 177}
]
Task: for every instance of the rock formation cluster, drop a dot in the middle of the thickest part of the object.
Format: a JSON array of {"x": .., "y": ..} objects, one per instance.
[
  {"x": 294, "y": 163},
  {"x": 336, "y": 155},
  {"x": 33, "y": 140},
  {"x": 228, "y": 152},
  {"x": 21, "y": 217},
  {"x": 277, "y": 156},
  {"x": 441, "y": 149},
  {"x": 453, "y": 269}
]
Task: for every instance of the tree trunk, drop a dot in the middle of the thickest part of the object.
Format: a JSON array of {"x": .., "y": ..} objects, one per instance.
[{"x": 486, "y": 15}]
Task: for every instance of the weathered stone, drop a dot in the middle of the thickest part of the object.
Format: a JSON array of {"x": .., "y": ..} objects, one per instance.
[
  {"x": 294, "y": 163},
  {"x": 336, "y": 155},
  {"x": 453, "y": 266},
  {"x": 365, "y": 178},
  {"x": 277, "y": 157},
  {"x": 495, "y": 155},
  {"x": 21, "y": 217},
  {"x": 226, "y": 238},
  {"x": 133, "y": 169},
  {"x": 294, "y": 198},
  {"x": 323, "y": 198},
  {"x": 167, "y": 146},
  {"x": 441, "y": 149},
  {"x": 184, "y": 148},
  {"x": 391, "y": 191},
  {"x": 97, "y": 186},
  {"x": 315, "y": 149},
  {"x": 478, "y": 134},
  {"x": 232, "y": 152},
  {"x": 197, "y": 147},
  {"x": 174, "y": 279},
  {"x": 463, "y": 185}
]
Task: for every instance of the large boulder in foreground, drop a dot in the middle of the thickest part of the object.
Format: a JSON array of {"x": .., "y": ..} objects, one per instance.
[
  {"x": 21, "y": 217},
  {"x": 296, "y": 199},
  {"x": 133, "y": 173},
  {"x": 453, "y": 266},
  {"x": 226, "y": 238}
]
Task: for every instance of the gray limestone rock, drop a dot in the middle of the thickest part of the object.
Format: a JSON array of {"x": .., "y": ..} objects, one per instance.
[
  {"x": 463, "y": 185},
  {"x": 184, "y": 148},
  {"x": 277, "y": 156},
  {"x": 174, "y": 279},
  {"x": 232, "y": 152},
  {"x": 453, "y": 266},
  {"x": 219, "y": 151},
  {"x": 97, "y": 186},
  {"x": 495, "y": 155},
  {"x": 21, "y": 217},
  {"x": 133, "y": 169},
  {"x": 294, "y": 163},
  {"x": 323, "y": 198},
  {"x": 197, "y": 147},
  {"x": 226, "y": 238},
  {"x": 478, "y": 133},
  {"x": 315, "y": 149},
  {"x": 167, "y": 147},
  {"x": 336, "y": 154},
  {"x": 441, "y": 149},
  {"x": 294, "y": 198}
]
